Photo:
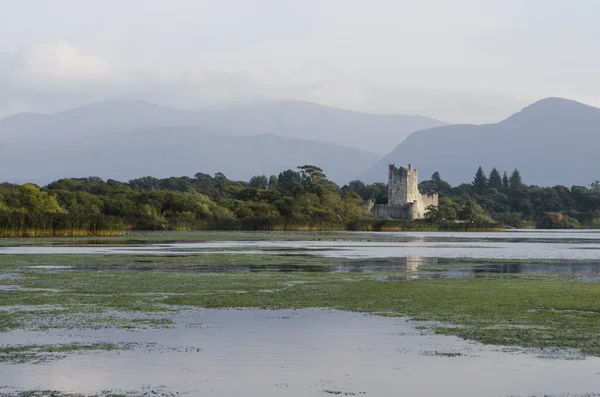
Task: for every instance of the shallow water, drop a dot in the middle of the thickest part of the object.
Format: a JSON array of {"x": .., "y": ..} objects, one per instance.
[
  {"x": 311, "y": 352},
  {"x": 296, "y": 353},
  {"x": 572, "y": 245},
  {"x": 476, "y": 254},
  {"x": 588, "y": 271}
]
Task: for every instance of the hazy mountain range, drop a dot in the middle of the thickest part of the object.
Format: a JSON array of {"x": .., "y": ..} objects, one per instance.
[
  {"x": 174, "y": 151},
  {"x": 294, "y": 119},
  {"x": 553, "y": 141},
  {"x": 126, "y": 139}
]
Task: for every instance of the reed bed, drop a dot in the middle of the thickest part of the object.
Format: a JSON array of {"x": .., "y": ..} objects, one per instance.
[{"x": 18, "y": 224}]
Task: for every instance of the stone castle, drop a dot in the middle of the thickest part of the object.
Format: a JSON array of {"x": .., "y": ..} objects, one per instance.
[{"x": 405, "y": 200}]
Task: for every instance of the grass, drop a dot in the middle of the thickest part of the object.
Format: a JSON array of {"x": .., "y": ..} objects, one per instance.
[
  {"x": 27, "y": 263},
  {"x": 153, "y": 237},
  {"x": 40, "y": 353},
  {"x": 534, "y": 311},
  {"x": 529, "y": 310}
]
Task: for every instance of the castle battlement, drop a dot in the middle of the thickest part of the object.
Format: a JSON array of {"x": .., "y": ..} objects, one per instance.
[{"x": 405, "y": 201}]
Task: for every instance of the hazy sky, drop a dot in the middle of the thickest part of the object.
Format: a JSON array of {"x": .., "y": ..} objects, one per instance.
[{"x": 457, "y": 60}]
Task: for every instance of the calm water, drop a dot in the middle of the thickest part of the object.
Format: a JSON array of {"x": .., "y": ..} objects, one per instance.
[
  {"x": 573, "y": 245},
  {"x": 477, "y": 254},
  {"x": 297, "y": 353},
  {"x": 314, "y": 352}
]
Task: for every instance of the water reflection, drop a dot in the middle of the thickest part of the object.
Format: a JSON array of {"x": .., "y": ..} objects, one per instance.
[
  {"x": 530, "y": 245},
  {"x": 410, "y": 267},
  {"x": 295, "y": 353}
]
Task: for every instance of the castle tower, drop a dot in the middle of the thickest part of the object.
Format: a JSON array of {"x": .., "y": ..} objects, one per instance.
[{"x": 403, "y": 185}]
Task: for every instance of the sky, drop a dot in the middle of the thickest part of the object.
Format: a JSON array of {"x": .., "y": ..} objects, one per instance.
[{"x": 462, "y": 61}]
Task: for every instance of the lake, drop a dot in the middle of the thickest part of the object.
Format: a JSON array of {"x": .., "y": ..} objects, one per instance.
[{"x": 75, "y": 334}]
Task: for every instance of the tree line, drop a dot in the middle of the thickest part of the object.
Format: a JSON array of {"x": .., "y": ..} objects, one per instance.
[
  {"x": 504, "y": 198},
  {"x": 301, "y": 199}
]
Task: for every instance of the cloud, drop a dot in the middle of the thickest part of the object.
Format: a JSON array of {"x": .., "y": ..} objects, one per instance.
[
  {"x": 10, "y": 106},
  {"x": 55, "y": 76},
  {"x": 59, "y": 64}
]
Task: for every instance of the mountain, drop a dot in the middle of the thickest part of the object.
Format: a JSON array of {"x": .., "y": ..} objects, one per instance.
[
  {"x": 175, "y": 151},
  {"x": 294, "y": 119},
  {"x": 553, "y": 141},
  {"x": 91, "y": 120},
  {"x": 297, "y": 119}
]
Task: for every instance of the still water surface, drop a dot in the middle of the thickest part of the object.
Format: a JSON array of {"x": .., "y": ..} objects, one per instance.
[
  {"x": 571, "y": 245},
  {"x": 298, "y": 353},
  {"x": 315, "y": 352}
]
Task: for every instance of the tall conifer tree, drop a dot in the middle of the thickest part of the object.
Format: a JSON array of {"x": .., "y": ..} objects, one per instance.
[
  {"x": 495, "y": 179},
  {"x": 479, "y": 181},
  {"x": 515, "y": 181}
]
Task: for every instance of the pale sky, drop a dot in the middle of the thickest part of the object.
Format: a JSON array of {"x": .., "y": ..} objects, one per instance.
[{"x": 456, "y": 60}]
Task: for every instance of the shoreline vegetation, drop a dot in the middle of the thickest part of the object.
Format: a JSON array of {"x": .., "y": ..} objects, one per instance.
[
  {"x": 302, "y": 200},
  {"x": 59, "y": 226}
]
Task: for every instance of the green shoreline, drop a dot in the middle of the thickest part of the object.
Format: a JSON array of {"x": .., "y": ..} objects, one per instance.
[
  {"x": 198, "y": 236},
  {"x": 382, "y": 225}
]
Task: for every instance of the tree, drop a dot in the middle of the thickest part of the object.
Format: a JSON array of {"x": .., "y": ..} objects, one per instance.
[
  {"x": 472, "y": 212},
  {"x": 3, "y": 206},
  {"x": 436, "y": 184},
  {"x": 505, "y": 181},
  {"x": 146, "y": 184},
  {"x": 258, "y": 181},
  {"x": 479, "y": 181},
  {"x": 495, "y": 180},
  {"x": 272, "y": 182},
  {"x": 220, "y": 180},
  {"x": 312, "y": 174},
  {"x": 515, "y": 182},
  {"x": 446, "y": 211},
  {"x": 290, "y": 181},
  {"x": 556, "y": 220},
  {"x": 32, "y": 200}
]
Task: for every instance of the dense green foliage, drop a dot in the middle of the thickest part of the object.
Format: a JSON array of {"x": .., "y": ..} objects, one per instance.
[
  {"x": 29, "y": 211},
  {"x": 504, "y": 199},
  {"x": 293, "y": 200},
  {"x": 300, "y": 200}
]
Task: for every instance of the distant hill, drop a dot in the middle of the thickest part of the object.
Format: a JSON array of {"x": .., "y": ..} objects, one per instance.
[
  {"x": 553, "y": 141},
  {"x": 370, "y": 132},
  {"x": 175, "y": 151},
  {"x": 294, "y": 119},
  {"x": 91, "y": 120}
]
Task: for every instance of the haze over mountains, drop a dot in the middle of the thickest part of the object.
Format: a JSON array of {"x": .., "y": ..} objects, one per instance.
[
  {"x": 294, "y": 119},
  {"x": 128, "y": 139},
  {"x": 553, "y": 141},
  {"x": 175, "y": 151}
]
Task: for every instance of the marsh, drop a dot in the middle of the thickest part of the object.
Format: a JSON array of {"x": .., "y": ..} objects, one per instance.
[{"x": 298, "y": 314}]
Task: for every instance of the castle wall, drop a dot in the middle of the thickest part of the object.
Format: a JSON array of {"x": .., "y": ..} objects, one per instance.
[
  {"x": 396, "y": 185},
  {"x": 403, "y": 186},
  {"x": 405, "y": 200},
  {"x": 424, "y": 201},
  {"x": 391, "y": 211},
  {"x": 412, "y": 185}
]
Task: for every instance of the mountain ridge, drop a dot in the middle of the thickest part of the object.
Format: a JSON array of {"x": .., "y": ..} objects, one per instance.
[
  {"x": 169, "y": 151},
  {"x": 550, "y": 134},
  {"x": 296, "y": 119}
]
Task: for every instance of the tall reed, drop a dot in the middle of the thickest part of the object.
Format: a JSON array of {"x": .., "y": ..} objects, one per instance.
[{"x": 20, "y": 224}]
